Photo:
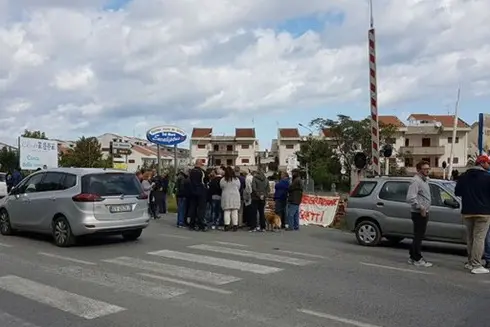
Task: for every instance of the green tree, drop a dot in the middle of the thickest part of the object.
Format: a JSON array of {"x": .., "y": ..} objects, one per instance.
[
  {"x": 87, "y": 152},
  {"x": 9, "y": 159},
  {"x": 323, "y": 164},
  {"x": 349, "y": 136},
  {"x": 34, "y": 134}
]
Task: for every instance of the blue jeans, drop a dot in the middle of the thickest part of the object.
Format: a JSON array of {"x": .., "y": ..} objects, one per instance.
[
  {"x": 181, "y": 211},
  {"x": 486, "y": 256},
  {"x": 215, "y": 213},
  {"x": 293, "y": 216}
]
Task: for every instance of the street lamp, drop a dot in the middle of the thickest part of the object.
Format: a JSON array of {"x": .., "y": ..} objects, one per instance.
[{"x": 307, "y": 163}]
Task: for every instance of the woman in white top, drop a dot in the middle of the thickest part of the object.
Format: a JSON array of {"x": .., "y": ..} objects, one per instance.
[
  {"x": 147, "y": 187},
  {"x": 230, "y": 198}
]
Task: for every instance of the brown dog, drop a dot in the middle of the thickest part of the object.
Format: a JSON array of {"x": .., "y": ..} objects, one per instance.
[{"x": 273, "y": 221}]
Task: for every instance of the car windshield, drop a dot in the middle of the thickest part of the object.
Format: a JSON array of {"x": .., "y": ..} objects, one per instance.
[
  {"x": 450, "y": 185},
  {"x": 110, "y": 184},
  {"x": 2, "y": 177}
]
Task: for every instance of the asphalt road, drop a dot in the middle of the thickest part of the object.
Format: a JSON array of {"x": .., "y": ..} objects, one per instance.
[{"x": 174, "y": 277}]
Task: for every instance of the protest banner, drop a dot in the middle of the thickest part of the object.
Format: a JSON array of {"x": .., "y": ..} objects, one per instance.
[{"x": 318, "y": 210}]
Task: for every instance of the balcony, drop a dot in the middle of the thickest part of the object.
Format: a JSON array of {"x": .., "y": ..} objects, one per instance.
[
  {"x": 423, "y": 150},
  {"x": 423, "y": 130},
  {"x": 229, "y": 153}
]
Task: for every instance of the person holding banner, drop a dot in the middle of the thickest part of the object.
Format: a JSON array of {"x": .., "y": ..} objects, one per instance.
[{"x": 295, "y": 194}]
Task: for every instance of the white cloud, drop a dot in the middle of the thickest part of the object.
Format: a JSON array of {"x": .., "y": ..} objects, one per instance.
[{"x": 69, "y": 67}]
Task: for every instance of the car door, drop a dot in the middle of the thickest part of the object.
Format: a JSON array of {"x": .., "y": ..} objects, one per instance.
[
  {"x": 19, "y": 202},
  {"x": 44, "y": 201},
  {"x": 445, "y": 222},
  {"x": 392, "y": 202}
]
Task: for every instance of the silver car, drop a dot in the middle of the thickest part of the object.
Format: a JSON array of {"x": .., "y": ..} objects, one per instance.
[
  {"x": 71, "y": 202},
  {"x": 378, "y": 208}
]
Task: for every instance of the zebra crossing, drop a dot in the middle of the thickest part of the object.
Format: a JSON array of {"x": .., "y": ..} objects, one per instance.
[{"x": 157, "y": 275}]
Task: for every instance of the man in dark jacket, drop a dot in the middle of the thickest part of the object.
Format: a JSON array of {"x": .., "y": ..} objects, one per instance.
[
  {"x": 181, "y": 190},
  {"x": 197, "y": 197},
  {"x": 474, "y": 189},
  {"x": 260, "y": 191},
  {"x": 281, "y": 197},
  {"x": 295, "y": 195}
]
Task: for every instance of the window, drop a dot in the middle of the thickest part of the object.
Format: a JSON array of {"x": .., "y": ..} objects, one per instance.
[
  {"x": 245, "y": 161},
  {"x": 394, "y": 191},
  {"x": 31, "y": 184},
  {"x": 436, "y": 164},
  {"x": 201, "y": 146},
  {"x": 245, "y": 146},
  {"x": 111, "y": 184},
  {"x": 229, "y": 148},
  {"x": 289, "y": 146},
  {"x": 438, "y": 195},
  {"x": 131, "y": 161},
  {"x": 450, "y": 140},
  {"x": 407, "y": 142},
  {"x": 69, "y": 181},
  {"x": 217, "y": 162},
  {"x": 51, "y": 182},
  {"x": 2, "y": 177},
  {"x": 229, "y": 162},
  {"x": 425, "y": 142},
  {"x": 455, "y": 160},
  {"x": 364, "y": 188},
  {"x": 216, "y": 147}
]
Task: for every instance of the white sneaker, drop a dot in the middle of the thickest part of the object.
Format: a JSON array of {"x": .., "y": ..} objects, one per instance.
[
  {"x": 468, "y": 266},
  {"x": 422, "y": 263},
  {"x": 480, "y": 270},
  {"x": 410, "y": 261}
]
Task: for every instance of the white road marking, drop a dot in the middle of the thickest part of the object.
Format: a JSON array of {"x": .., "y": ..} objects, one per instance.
[
  {"x": 51, "y": 255},
  {"x": 190, "y": 284},
  {"x": 232, "y": 244},
  {"x": 251, "y": 254},
  {"x": 396, "y": 268},
  {"x": 175, "y": 236},
  {"x": 336, "y": 318},
  {"x": 302, "y": 254},
  {"x": 7, "y": 320},
  {"x": 75, "y": 304},
  {"x": 120, "y": 283},
  {"x": 6, "y": 245},
  {"x": 219, "y": 262},
  {"x": 175, "y": 271}
]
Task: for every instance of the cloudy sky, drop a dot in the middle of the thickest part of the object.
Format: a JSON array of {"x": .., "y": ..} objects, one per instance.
[{"x": 86, "y": 67}]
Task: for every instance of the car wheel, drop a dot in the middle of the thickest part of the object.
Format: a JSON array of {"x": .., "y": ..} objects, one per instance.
[
  {"x": 368, "y": 233},
  {"x": 394, "y": 240},
  {"x": 132, "y": 235},
  {"x": 62, "y": 234},
  {"x": 5, "y": 227}
]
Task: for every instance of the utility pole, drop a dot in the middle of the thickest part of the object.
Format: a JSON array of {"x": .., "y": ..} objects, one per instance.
[{"x": 455, "y": 128}]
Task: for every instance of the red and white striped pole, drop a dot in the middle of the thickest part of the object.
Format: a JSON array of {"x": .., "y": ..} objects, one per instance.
[{"x": 373, "y": 87}]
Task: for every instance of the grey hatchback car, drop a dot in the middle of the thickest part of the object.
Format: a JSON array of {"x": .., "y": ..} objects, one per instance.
[
  {"x": 377, "y": 208},
  {"x": 71, "y": 202}
]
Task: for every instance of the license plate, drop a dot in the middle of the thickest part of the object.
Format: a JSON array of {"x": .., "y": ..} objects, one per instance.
[{"x": 120, "y": 208}]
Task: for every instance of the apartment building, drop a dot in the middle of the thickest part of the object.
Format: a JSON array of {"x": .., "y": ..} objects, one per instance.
[
  {"x": 429, "y": 137},
  {"x": 231, "y": 150},
  {"x": 288, "y": 143}
]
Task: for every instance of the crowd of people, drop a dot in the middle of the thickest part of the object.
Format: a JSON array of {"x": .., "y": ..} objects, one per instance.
[{"x": 227, "y": 198}]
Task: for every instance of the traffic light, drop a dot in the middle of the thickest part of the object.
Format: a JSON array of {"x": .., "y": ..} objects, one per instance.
[
  {"x": 360, "y": 160},
  {"x": 387, "y": 150}
]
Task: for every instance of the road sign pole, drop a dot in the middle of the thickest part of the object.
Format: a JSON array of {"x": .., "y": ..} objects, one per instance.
[{"x": 175, "y": 162}]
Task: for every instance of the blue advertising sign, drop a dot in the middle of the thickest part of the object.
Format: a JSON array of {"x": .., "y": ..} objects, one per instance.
[{"x": 166, "y": 135}]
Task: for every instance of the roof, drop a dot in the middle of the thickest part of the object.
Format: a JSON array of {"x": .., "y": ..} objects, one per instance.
[
  {"x": 327, "y": 132},
  {"x": 245, "y": 132},
  {"x": 288, "y": 133},
  {"x": 391, "y": 120},
  {"x": 82, "y": 171},
  {"x": 445, "y": 120},
  {"x": 202, "y": 132}
]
